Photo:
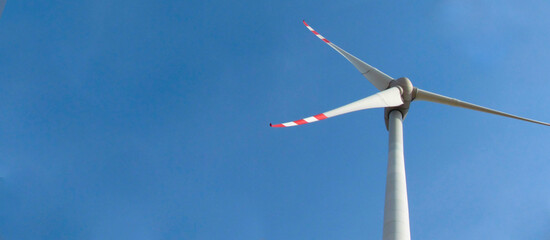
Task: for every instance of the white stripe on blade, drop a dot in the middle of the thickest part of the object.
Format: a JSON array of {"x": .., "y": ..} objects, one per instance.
[
  {"x": 290, "y": 124},
  {"x": 311, "y": 119}
]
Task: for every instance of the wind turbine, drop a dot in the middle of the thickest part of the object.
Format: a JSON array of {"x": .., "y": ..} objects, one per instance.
[{"x": 395, "y": 96}]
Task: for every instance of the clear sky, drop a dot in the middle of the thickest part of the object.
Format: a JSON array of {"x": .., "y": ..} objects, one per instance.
[{"x": 149, "y": 119}]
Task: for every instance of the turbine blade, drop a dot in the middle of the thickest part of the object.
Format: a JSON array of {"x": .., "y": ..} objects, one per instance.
[
  {"x": 388, "y": 98},
  {"x": 379, "y": 79},
  {"x": 436, "y": 98}
]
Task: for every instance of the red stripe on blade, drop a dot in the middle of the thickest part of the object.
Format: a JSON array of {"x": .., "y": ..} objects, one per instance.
[
  {"x": 300, "y": 122},
  {"x": 327, "y": 41},
  {"x": 320, "y": 116},
  {"x": 277, "y": 125}
]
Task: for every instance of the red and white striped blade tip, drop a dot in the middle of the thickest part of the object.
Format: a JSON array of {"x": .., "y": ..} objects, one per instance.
[
  {"x": 315, "y": 32},
  {"x": 302, "y": 121}
]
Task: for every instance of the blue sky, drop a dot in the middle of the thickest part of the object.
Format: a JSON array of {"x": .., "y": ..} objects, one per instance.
[{"x": 149, "y": 120}]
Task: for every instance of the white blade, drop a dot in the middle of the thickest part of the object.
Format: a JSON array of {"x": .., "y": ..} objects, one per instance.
[
  {"x": 432, "y": 97},
  {"x": 379, "y": 79},
  {"x": 387, "y": 98}
]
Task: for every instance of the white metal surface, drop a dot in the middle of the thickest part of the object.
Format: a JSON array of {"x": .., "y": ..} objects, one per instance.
[
  {"x": 424, "y": 95},
  {"x": 396, "y": 206},
  {"x": 388, "y": 98}
]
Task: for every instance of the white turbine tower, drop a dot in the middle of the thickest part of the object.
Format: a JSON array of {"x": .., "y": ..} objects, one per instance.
[{"x": 395, "y": 96}]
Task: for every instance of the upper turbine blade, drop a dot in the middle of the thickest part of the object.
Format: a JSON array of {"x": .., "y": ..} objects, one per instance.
[
  {"x": 432, "y": 97},
  {"x": 387, "y": 98},
  {"x": 379, "y": 79}
]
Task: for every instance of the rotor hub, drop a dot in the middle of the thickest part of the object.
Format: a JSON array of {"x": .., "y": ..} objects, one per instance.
[{"x": 408, "y": 92}]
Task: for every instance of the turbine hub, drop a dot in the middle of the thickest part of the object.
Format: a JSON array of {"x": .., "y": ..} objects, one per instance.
[
  {"x": 408, "y": 92},
  {"x": 406, "y": 88}
]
